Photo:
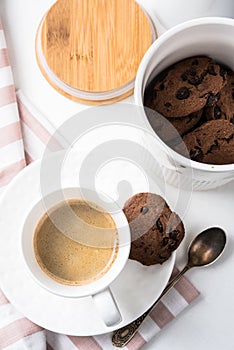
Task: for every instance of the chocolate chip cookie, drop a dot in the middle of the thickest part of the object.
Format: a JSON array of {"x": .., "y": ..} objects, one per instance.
[
  {"x": 156, "y": 231},
  {"x": 224, "y": 108},
  {"x": 212, "y": 142},
  {"x": 186, "y": 87}
]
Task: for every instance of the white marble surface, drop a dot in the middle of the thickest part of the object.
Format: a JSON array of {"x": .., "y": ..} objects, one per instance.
[{"x": 208, "y": 323}]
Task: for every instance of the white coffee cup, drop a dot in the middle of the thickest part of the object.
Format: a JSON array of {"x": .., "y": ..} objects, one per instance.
[
  {"x": 98, "y": 289},
  {"x": 205, "y": 36},
  {"x": 168, "y": 13}
]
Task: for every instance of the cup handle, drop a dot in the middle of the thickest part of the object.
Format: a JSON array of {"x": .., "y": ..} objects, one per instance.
[{"x": 107, "y": 307}]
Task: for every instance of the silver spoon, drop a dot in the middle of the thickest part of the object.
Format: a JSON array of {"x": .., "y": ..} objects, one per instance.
[{"x": 203, "y": 250}]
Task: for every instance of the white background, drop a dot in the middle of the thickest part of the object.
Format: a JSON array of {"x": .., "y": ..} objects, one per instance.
[{"x": 208, "y": 323}]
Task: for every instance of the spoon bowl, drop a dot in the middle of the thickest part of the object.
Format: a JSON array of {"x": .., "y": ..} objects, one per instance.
[{"x": 206, "y": 247}]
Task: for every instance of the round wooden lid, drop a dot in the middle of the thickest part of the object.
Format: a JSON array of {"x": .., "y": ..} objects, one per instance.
[{"x": 90, "y": 50}]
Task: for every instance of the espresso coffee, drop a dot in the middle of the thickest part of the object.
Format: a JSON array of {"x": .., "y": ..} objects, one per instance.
[{"x": 75, "y": 242}]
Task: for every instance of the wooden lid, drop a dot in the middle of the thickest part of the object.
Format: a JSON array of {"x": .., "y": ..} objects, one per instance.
[{"x": 90, "y": 50}]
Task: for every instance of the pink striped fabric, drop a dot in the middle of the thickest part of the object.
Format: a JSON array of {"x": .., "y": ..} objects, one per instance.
[
  {"x": 10, "y": 134},
  {"x": 84, "y": 343},
  {"x": 4, "y": 59},
  {"x": 37, "y": 128},
  {"x": 10, "y": 130},
  {"x": 15, "y": 152},
  {"x": 7, "y": 95},
  {"x": 17, "y": 330},
  {"x": 137, "y": 343}
]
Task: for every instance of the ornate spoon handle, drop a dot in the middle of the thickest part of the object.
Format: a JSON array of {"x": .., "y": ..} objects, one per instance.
[{"x": 123, "y": 335}]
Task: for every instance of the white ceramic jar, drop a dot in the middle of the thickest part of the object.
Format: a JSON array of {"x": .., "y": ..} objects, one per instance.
[{"x": 211, "y": 36}]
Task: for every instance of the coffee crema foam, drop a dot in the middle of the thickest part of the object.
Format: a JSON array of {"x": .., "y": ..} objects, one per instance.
[{"x": 76, "y": 242}]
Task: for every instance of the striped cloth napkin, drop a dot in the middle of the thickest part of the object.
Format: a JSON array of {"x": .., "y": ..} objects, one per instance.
[{"x": 23, "y": 136}]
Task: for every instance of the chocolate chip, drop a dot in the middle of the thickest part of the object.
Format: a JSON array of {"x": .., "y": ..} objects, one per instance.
[
  {"x": 192, "y": 72},
  {"x": 198, "y": 141},
  {"x": 196, "y": 153},
  {"x": 233, "y": 95},
  {"x": 217, "y": 112},
  {"x": 224, "y": 116},
  {"x": 173, "y": 245},
  {"x": 162, "y": 257},
  {"x": 174, "y": 235},
  {"x": 195, "y": 62},
  {"x": 144, "y": 210},
  {"x": 165, "y": 241},
  {"x": 212, "y": 99},
  {"x": 223, "y": 72},
  {"x": 183, "y": 93},
  {"x": 213, "y": 147},
  {"x": 161, "y": 86},
  {"x": 211, "y": 70},
  {"x": 159, "y": 225},
  {"x": 195, "y": 81},
  {"x": 232, "y": 120},
  {"x": 228, "y": 139},
  {"x": 184, "y": 76},
  {"x": 167, "y": 104}
]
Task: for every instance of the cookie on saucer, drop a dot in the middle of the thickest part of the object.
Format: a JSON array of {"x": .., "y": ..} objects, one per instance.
[{"x": 156, "y": 231}]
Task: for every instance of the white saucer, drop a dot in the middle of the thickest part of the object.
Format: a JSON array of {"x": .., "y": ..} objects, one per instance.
[{"x": 135, "y": 289}]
